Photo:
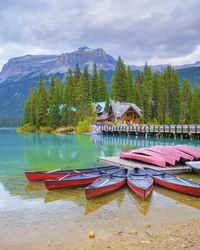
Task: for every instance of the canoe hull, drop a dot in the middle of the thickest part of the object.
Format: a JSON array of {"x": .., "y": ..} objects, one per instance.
[
  {"x": 178, "y": 188},
  {"x": 92, "y": 193},
  {"x": 34, "y": 176},
  {"x": 143, "y": 194},
  {"x": 149, "y": 159},
  {"x": 42, "y": 176},
  {"x": 52, "y": 185}
]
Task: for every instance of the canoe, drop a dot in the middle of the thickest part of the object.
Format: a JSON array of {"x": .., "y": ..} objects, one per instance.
[
  {"x": 189, "y": 150},
  {"x": 140, "y": 182},
  {"x": 172, "y": 151},
  {"x": 106, "y": 184},
  {"x": 195, "y": 166},
  {"x": 53, "y": 174},
  {"x": 156, "y": 153},
  {"x": 152, "y": 159},
  {"x": 175, "y": 183},
  {"x": 142, "y": 205},
  {"x": 69, "y": 181}
]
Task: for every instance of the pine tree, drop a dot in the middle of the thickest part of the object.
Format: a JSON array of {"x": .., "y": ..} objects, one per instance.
[
  {"x": 95, "y": 88},
  {"x": 66, "y": 102},
  {"x": 119, "y": 83},
  {"x": 51, "y": 89},
  {"x": 186, "y": 103},
  {"x": 87, "y": 99},
  {"x": 175, "y": 99},
  {"x": 26, "y": 118},
  {"x": 60, "y": 90},
  {"x": 33, "y": 106},
  {"x": 41, "y": 118},
  {"x": 196, "y": 105},
  {"x": 130, "y": 90},
  {"x": 54, "y": 112},
  {"x": 104, "y": 94}
]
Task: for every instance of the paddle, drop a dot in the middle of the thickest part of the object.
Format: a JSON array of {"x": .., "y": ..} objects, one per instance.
[
  {"x": 55, "y": 170},
  {"x": 184, "y": 181}
]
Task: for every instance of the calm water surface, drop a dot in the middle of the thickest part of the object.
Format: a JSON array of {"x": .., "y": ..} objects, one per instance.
[{"x": 30, "y": 213}]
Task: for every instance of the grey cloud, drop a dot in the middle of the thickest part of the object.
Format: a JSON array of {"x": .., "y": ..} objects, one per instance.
[{"x": 137, "y": 30}]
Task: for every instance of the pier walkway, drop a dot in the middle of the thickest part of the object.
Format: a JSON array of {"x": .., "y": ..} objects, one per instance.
[
  {"x": 114, "y": 160},
  {"x": 185, "y": 131}
]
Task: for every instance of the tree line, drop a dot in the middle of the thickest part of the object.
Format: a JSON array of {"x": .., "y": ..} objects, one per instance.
[
  {"x": 10, "y": 122},
  {"x": 161, "y": 97},
  {"x": 66, "y": 104}
]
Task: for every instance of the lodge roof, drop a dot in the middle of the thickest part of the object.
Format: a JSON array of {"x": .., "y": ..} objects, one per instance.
[{"x": 119, "y": 108}]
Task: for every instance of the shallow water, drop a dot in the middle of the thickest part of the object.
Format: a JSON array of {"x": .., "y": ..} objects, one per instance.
[{"x": 30, "y": 213}]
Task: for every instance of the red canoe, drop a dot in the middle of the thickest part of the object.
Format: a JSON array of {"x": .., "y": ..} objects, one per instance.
[
  {"x": 75, "y": 180},
  {"x": 175, "y": 183},
  {"x": 182, "y": 154},
  {"x": 147, "y": 151},
  {"x": 47, "y": 175},
  {"x": 140, "y": 182},
  {"x": 106, "y": 184},
  {"x": 152, "y": 159},
  {"x": 172, "y": 151},
  {"x": 171, "y": 159},
  {"x": 189, "y": 150}
]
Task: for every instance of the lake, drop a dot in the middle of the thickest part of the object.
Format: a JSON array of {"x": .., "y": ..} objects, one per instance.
[{"x": 29, "y": 213}]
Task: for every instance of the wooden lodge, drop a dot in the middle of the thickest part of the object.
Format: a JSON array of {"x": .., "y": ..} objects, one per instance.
[{"x": 122, "y": 113}]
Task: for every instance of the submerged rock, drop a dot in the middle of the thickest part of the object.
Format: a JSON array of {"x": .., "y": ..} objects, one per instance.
[{"x": 91, "y": 234}]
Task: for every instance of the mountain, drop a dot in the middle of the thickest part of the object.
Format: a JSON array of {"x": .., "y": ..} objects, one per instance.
[
  {"x": 22, "y": 73},
  {"x": 19, "y": 67}
]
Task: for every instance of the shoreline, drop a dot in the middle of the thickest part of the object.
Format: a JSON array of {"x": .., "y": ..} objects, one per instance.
[{"x": 176, "y": 236}]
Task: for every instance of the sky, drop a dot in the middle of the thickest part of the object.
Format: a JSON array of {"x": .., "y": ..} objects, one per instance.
[{"x": 152, "y": 31}]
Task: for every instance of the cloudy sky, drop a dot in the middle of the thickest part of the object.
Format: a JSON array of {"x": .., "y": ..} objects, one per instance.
[{"x": 153, "y": 31}]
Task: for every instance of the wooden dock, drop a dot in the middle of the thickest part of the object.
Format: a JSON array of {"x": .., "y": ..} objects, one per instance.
[
  {"x": 185, "y": 131},
  {"x": 114, "y": 160}
]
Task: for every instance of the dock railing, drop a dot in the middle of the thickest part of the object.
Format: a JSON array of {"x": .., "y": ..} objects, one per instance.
[{"x": 178, "y": 130}]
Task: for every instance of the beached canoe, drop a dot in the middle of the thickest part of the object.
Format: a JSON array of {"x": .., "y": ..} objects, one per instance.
[
  {"x": 195, "y": 166},
  {"x": 140, "y": 182},
  {"x": 144, "y": 157},
  {"x": 106, "y": 184},
  {"x": 78, "y": 180},
  {"x": 175, "y": 183},
  {"x": 189, "y": 150},
  {"x": 53, "y": 174}
]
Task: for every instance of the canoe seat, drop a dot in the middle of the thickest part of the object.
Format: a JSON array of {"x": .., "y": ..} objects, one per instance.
[{"x": 119, "y": 175}]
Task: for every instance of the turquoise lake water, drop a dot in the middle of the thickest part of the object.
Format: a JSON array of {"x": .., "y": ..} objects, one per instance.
[{"x": 27, "y": 209}]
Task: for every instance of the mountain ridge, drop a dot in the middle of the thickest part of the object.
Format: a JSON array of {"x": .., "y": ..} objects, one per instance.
[
  {"x": 22, "y": 73},
  {"x": 19, "y": 67}
]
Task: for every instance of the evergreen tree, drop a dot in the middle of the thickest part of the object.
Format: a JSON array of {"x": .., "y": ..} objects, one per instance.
[
  {"x": 26, "y": 118},
  {"x": 196, "y": 106},
  {"x": 77, "y": 74},
  {"x": 33, "y": 106},
  {"x": 54, "y": 112},
  {"x": 41, "y": 118},
  {"x": 175, "y": 99},
  {"x": 186, "y": 103},
  {"x": 104, "y": 94},
  {"x": 60, "y": 90},
  {"x": 130, "y": 90},
  {"x": 95, "y": 88},
  {"x": 66, "y": 102},
  {"x": 119, "y": 85},
  {"x": 87, "y": 99},
  {"x": 51, "y": 89}
]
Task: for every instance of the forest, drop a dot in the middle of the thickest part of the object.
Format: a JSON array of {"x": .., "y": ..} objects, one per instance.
[{"x": 161, "y": 97}]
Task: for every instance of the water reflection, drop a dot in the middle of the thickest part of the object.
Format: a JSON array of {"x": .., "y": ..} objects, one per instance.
[
  {"x": 98, "y": 202},
  {"x": 142, "y": 206},
  {"x": 182, "y": 198},
  {"x": 77, "y": 196}
]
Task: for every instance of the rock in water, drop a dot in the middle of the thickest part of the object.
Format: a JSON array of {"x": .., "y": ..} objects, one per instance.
[{"x": 92, "y": 234}]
